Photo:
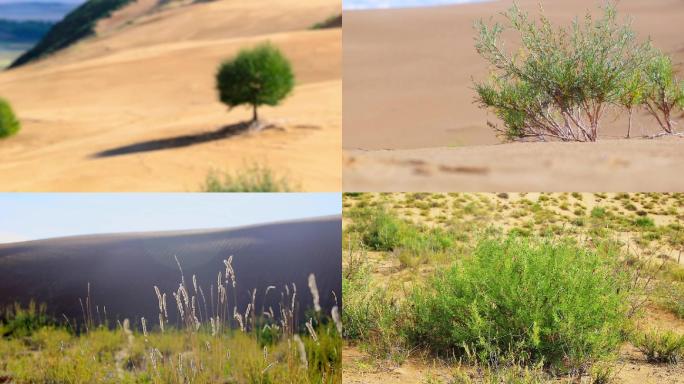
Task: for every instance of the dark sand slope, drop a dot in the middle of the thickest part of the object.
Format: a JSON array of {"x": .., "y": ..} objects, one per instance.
[
  {"x": 122, "y": 269},
  {"x": 408, "y": 96}
]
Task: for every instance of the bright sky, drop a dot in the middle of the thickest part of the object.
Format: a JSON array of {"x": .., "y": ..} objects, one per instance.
[
  {"x": 29, "y": 216},
  {"x": 370, "y": 4}
]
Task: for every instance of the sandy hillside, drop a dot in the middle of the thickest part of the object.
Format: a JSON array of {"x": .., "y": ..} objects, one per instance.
[
  {"x": 134, "y": 108},
  {"x": 408, "y": 97}
]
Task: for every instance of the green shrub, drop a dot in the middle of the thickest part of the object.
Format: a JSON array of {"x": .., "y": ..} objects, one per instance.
[
  {"x": 9, "y": 125},
  {"x": 258, "y": 76},
  {"x": 660, "y": 347},
  {"x": 562, "y": 80},
  {"x": 555, "y": 303},
  {"x": 664, "y": 93},
  {"x": 254, "y": 178}
]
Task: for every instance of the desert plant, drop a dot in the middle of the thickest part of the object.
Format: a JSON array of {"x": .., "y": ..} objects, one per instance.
[
  {"x": 9, "y": 125},
  {"x": 546, "y": 302},
  {"x": 253, "y": 178},
  {"x": 258, "y": 76},
  {"x": 631, "y": 95},
  {"x": 664, "y": 93},
  {"x": 660, "y": 347},
  {"x": 563, "y": 80}
]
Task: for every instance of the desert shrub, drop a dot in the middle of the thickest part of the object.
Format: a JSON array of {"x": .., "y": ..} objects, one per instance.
[
  {"x": 546, "y": 302},
  {"x": 563, "y": 80},
  {"x": 660, "y": 347},
  {"x": 254, "y": 178},
  {"x": 664, "y": 93},
  {"x": 258, "y": 76},
  {"x": 9, "y": 125}
]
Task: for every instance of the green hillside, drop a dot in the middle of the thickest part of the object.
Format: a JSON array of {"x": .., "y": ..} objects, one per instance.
[{"x": 76, "y": 25}]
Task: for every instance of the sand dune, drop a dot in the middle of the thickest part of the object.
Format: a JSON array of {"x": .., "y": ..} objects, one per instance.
[
  {"x": 408, "y": 97},
  {"x": 123, "y": 268},
  {"x": 149, "y": 76}
]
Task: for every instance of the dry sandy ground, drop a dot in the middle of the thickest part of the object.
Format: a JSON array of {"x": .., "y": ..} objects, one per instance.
[
  {"x": 408, "y": 97},
  {"x": 143, "y": 89},
  {"x": 608, "y": 165}
]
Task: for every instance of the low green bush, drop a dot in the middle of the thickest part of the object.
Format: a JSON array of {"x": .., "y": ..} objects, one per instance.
[
  {"x": 9, "y": 125},
  {"x": 554, "y": 303},
  {"x": 660, "y": 347}
]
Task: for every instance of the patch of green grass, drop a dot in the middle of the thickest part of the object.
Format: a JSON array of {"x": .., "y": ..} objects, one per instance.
[
  {"x": 381, "y": 230},
  {"x": 598, "y": 212},
  {"x": 16, "y": 321},
  {"x": 254, "y": 178},
  {"x": 644, "y": 222}
]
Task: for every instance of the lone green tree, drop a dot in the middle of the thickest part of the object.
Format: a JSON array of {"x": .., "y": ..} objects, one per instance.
[
  {"x": 257, "y": 76},
  {"x": 9, "y": 125},
  {"x": 560, "y": 82}
]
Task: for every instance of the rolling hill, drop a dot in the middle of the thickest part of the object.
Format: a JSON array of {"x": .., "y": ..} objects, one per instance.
[{"x": 122, "y": 269}]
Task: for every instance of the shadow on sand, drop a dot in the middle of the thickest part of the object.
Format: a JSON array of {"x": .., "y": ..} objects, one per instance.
[{"x": 176, "y": 142}]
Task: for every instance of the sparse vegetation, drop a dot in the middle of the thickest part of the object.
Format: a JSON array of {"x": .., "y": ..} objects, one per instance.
[
  {"x": 258, "y": 76},
  {"x": 531, "y": 288},
  {"x": 9, "y": 125},
  {"x": 254, "y": 178}
]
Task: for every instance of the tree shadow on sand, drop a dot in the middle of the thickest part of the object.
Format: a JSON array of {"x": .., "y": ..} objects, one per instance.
[{"x": 176, "y": 142}]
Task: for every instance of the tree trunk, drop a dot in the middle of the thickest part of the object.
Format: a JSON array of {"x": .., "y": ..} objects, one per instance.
[
  {"x": 629, "y": 127},
  {"x": 255, "y": 117}
]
